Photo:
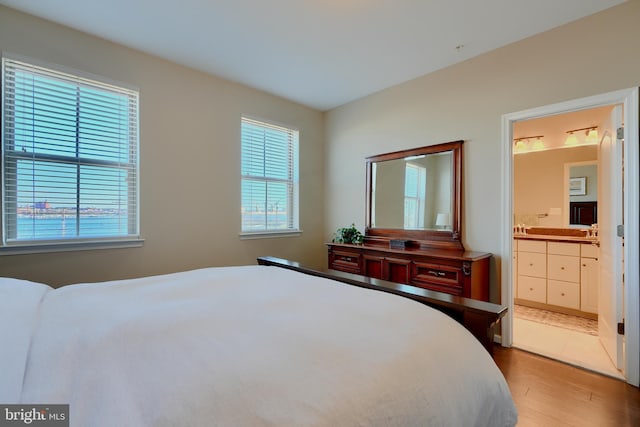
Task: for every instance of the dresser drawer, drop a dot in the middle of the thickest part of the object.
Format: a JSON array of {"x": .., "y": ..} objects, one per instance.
[
  {"x": 565, "y": 268},
  {"x": 532, "y": 289},
  {"x": 564, "y": 294},
  {"x": 437, "y": 277},
  {"x": 345, "y": 261},
  {"x": 532, "y": 246},
  {"x": 561, "y": 248},
  {"x": 532, "y": 264}
]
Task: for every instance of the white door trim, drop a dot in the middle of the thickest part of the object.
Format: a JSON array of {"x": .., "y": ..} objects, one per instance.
[{"x": 629, "y": 98}]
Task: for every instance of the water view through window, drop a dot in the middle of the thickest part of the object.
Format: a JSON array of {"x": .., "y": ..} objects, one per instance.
[
  {"x": 70, "y": 156},
  {"x": 269, "y": 177}
]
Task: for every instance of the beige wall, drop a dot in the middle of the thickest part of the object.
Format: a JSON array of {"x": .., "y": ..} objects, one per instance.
[
  {"x": 190, "y": 157},
  {"x": 591, "y": 56}
]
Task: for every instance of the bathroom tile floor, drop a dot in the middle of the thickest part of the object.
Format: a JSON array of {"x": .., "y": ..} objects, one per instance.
[
  {"x": 569, "y": 346},
  {"x": 566, "y": 321}
]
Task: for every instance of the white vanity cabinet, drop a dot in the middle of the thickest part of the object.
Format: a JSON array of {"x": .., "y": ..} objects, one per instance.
[
  {"x": 556, "y": 275},
  {"x": 589, "y": 278},
  {"x": 532, "y": 270},
  {"x": 563, "y": 274}
]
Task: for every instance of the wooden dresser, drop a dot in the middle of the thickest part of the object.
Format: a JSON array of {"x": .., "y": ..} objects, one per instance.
[
  {"x": 456, "y": 272},
  {"x": 413, "y": 224}
]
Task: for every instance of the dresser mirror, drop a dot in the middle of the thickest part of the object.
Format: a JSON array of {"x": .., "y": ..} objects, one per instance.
[{"x": 415, "y": 195}]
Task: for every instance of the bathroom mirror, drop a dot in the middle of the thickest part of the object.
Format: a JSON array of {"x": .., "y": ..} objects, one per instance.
[
  {"x": 415, "y": 194},
  {"x": 582, "y": 193}
]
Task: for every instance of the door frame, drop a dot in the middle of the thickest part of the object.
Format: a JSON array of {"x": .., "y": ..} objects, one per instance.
[{"x": 629, "y": 98}]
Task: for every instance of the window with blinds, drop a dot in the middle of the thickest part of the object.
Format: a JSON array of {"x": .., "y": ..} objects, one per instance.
[
  {"x": 70, "y": 157},
  {"x": 269, "y": 178}
]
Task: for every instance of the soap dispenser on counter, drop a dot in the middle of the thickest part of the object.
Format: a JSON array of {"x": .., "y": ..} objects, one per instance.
[{"x": 520, "y": 229}]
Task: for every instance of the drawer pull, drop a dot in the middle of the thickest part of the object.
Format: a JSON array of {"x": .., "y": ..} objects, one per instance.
[
  {"x": 530, "y": 289},
  {"x": 584, "y": 265},
  {"x": 530, "y": 264},
  {"x": 436, "y": 273},
  {"x": 561, "y": 268},
  {"x": 562, "y": 293}
]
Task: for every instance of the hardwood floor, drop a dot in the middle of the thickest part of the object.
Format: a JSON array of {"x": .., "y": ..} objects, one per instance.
[{"x": 550, "y": 393}]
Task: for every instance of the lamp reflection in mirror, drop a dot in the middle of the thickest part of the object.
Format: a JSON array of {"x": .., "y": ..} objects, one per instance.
[{"x": 443, "y": 220}]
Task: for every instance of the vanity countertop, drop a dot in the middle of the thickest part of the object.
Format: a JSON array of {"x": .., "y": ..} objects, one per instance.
[{"x": 556, "y": 238}]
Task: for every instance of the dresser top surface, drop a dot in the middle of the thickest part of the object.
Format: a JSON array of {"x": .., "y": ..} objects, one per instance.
[{"x": 436, "y": 253}]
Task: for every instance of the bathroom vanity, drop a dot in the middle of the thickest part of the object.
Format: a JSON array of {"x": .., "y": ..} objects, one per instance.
[{"x": 557, "y": 272}]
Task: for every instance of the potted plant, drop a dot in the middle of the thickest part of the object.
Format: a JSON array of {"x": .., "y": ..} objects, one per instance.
[{"x": 348, "y": 235}]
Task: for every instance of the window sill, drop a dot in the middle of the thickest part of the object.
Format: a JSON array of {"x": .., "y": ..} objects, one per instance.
[
  {"x": 40, "y": 248},
  {"x": 270, "y": 234}
]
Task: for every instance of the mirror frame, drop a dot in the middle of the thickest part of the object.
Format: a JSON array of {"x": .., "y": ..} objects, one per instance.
[{"x": 443, "y": 239}]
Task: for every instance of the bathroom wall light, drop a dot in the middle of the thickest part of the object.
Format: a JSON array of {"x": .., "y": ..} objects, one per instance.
[
  {"x": 520, "y": 145},
  {"x": 538, "y": 144},
  {"x": 524, "y": 144},
  {"x": 591, "y": 133},
  {"x": 571, "y": 139}
]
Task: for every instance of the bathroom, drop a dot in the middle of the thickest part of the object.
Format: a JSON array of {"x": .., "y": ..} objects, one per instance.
[{"x": 557, "y": 258}]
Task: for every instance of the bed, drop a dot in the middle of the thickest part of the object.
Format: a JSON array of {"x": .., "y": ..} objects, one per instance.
[{"x": 243, "y": 346}]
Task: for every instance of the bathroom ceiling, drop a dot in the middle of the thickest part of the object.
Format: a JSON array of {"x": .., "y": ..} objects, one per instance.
[{"x": 320, "y": 53}]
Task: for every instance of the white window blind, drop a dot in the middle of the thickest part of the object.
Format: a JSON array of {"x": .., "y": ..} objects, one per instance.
[
  {"x": 70, "y": 157},
  {"x": 269, "y": 178}
]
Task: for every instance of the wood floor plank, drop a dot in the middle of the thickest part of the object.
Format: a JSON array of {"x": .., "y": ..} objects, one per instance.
[{"x": 551, "y": 393}]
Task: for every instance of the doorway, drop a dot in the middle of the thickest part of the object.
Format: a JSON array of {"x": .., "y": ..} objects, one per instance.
[
  {"x": 556, "y": 193},
  {"x": 628, "y": 357}
]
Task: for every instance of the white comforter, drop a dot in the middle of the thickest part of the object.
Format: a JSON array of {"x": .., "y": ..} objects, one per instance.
[{"x": 243, "y": 346}]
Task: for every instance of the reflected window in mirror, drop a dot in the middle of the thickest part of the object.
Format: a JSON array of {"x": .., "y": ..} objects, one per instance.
[{"x": 415, "y": 192}]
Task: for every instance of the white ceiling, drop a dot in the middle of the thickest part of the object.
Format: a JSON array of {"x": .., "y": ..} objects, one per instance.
[{"x": 320, "y": 53}]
